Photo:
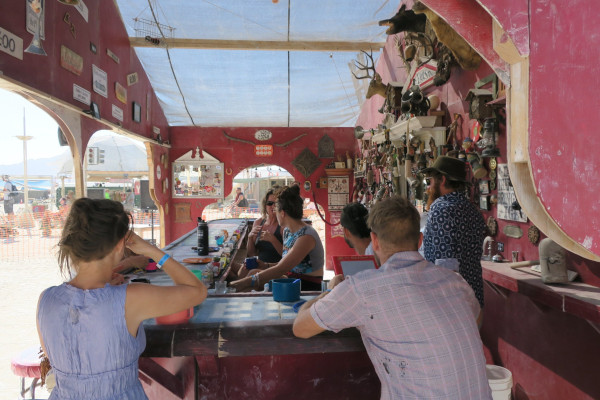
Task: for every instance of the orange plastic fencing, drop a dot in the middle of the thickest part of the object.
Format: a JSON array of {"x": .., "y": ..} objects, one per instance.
[{"x": 26, "y": 236}]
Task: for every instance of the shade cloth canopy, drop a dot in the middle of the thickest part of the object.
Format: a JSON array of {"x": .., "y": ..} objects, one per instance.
[{"x": 244, "y": 63}]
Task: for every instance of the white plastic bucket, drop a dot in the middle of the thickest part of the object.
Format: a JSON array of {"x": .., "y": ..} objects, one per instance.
[{"x": 500, "y": 380}]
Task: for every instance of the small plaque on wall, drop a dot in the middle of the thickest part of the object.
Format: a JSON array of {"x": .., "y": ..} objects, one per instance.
[{"x": 182, "y": 213}]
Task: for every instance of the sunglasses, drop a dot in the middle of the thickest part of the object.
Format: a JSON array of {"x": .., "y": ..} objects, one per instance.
[{"x": 270, "y": 203}]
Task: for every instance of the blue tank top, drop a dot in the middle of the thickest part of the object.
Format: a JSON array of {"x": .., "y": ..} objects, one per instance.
[
  {"x": 313, "y": 262},
  {"x": 89, "y": 347}
]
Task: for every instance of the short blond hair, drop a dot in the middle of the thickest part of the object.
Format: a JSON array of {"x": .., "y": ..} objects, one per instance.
[{"x": 396, "y": 222}]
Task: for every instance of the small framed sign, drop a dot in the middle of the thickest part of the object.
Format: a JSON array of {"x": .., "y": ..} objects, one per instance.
[
  {"x": 136, "y": 112},
  {"x": 484, "y": 187},
  {"x": 484, "y": 202}
]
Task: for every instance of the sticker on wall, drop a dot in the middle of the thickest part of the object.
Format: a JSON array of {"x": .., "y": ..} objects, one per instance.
[
  {"x": 337, "y": 230},
  {"x": 93, "y": 48},
  {"x": 70, "y": 60},
  {"x": 99, "y": 81},
  {"x": 113, "y": 56},
  {"x": 148, "y": 105},
  {"x": 136, "y": 112},
  {"x": 121, "y": 93},
  {"x": 132, "y": 79},
  {"x": 82, "y": 9},
  {"x": 81, "y": 95},
  {"x": 263, "y": 150},
  {"x": 263, "y": 135},
  {"x": 67, "y": 20},
  {"x": 11, "y": 44},
  {"x": 117, "y": 113},
  {"x": 34, "y": 21}
]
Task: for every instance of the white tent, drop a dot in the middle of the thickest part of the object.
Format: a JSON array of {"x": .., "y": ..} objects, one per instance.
[{"x": 118, "y": 157}]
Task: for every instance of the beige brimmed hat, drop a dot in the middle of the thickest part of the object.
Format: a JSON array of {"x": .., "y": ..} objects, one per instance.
[{"x": 451, "y": 168}]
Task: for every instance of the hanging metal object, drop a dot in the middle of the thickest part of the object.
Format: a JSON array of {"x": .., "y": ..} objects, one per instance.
[{"x": 489, "y": 139}]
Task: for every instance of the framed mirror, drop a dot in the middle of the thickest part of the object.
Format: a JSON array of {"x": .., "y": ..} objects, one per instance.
[{"x": 196, "y": 177}]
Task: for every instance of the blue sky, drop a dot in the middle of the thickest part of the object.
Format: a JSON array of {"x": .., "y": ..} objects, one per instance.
[{"x": 38, "y": 124}]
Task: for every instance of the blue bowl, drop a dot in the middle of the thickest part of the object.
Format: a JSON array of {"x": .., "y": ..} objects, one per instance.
[{"x": 285, "y": 290}]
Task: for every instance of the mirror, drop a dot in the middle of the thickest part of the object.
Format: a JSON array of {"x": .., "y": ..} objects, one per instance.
[{"x": 195, "y": 177}]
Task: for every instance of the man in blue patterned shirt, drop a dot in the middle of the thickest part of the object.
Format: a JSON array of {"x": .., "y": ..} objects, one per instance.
[{"x": 455, "y": 227}]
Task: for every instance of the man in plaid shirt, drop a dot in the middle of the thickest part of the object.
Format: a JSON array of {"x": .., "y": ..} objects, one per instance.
[{"x": 417, "y": 320}]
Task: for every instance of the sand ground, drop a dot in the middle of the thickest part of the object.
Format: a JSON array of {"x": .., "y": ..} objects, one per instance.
[{"x": 23, "y": 279}]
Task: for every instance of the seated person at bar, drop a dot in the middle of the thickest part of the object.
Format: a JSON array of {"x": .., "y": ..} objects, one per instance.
[
  {"x": 356, "y": 232},
  {"x": 265, "y": 240},
  {"x": 417, "y": 320},
  {"x": 92, "y": 331},
  {"x": 302, "y": 248}
]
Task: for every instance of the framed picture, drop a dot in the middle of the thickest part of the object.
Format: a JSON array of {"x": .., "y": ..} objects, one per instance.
[
  {"x": 484, "y": 187},
  {"x": 137, "y": 112},
  {"x": 484, "y": 202}
]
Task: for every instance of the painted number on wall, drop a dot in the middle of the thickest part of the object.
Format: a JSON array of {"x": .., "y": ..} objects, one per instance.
[{"x": 11, "y": 44}]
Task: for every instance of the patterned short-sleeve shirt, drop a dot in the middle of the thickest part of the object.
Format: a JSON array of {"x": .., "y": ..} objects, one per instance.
[
  {"x": 418, "y": 324},
  {"x": 456, "y": 229}
]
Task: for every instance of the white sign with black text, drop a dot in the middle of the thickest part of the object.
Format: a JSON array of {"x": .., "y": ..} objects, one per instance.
[
  {"x": 100, "y": 81},
  {"x": 506, "y": 197},
  {"x": 11, "y": 44},
  {"x": 82, "y": 95},
  {"x": 117, "y": 113}
]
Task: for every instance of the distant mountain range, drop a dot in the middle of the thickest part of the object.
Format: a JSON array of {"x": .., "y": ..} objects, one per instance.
[{"x": 40, "y": 166}]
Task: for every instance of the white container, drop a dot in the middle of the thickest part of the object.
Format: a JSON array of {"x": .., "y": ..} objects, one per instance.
[{"x": 500, "y": 380}]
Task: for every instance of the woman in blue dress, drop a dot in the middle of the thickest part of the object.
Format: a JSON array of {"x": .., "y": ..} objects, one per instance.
[{"x": 90, "y": 330}]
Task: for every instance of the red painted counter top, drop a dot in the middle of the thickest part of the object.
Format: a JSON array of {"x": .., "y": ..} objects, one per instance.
[{"x": 576, "y": 298}]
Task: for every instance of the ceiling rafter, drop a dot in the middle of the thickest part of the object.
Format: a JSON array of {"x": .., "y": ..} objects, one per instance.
[{"x": 174, "y": 43}]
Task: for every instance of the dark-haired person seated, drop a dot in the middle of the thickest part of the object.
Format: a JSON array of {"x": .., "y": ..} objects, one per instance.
[
  {"x": 356, "y": 232},
  {"x": 302, "y": 255},
  {"x": 417, "y": 320}
]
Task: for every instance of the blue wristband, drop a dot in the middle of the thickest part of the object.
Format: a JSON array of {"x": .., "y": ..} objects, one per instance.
[{"x": 162, "y": 261}]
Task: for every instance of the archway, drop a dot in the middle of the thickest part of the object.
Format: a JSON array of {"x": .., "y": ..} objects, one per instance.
[{"x": 115, "y": 167}]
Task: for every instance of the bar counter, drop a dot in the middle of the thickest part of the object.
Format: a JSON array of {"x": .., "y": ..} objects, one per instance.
[{"x": 241, "y": 346}]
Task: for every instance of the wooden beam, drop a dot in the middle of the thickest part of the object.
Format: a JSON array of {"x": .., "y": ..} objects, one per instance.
[{"x": 256, "y": 45}]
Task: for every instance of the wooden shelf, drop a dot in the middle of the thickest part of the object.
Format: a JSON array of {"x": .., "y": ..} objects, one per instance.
[
  {"x": 422, "y": 127},
  {"x": 338, "y": 171}
]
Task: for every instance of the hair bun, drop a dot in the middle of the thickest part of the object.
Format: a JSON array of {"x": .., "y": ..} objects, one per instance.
[{"x": 295, "y": 190}]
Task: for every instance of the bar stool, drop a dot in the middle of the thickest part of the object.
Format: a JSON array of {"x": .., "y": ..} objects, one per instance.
[{"x": 27, "y": 365}]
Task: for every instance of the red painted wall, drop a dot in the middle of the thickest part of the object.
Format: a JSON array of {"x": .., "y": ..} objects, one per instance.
[{"x": 239, "y": 156}]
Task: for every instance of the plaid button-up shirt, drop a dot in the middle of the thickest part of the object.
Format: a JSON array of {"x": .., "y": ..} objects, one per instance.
[{"x": 418, "y": 325}]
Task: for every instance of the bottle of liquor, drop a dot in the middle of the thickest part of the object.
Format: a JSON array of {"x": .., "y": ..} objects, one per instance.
[{"x": 202, "y": 233}]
